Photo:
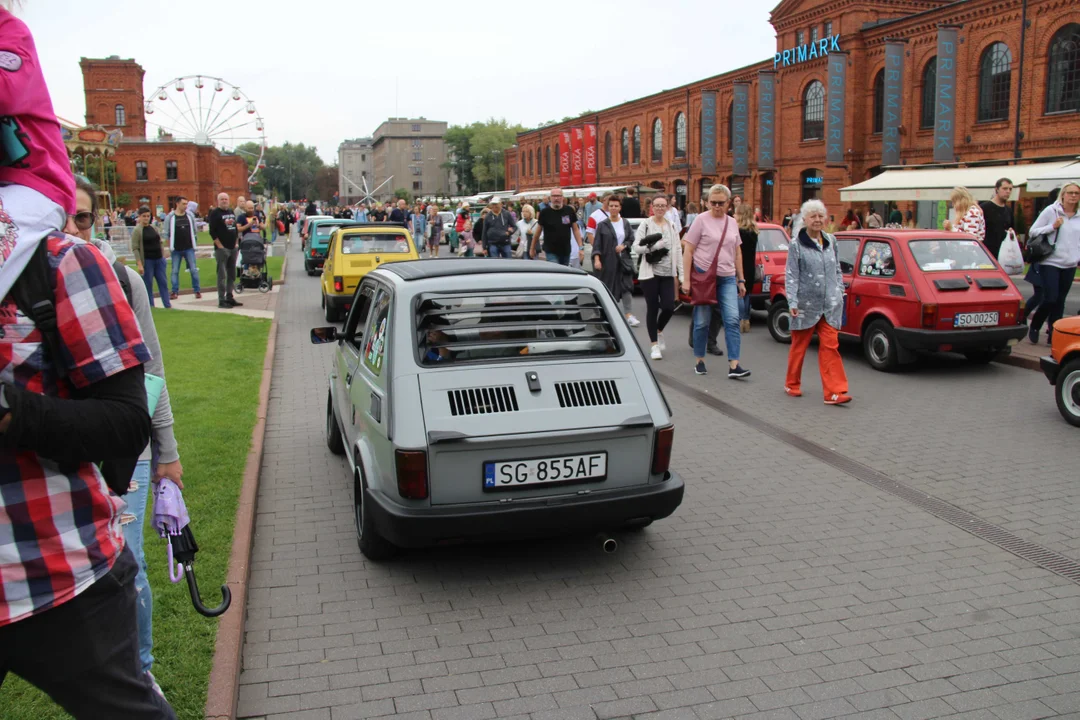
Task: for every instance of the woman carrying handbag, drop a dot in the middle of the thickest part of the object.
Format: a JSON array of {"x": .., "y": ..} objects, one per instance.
[
  {"x": 658, "y": 245},
  {"x": 713, "y": 275},
  {"x": 1055, "y": 247}
]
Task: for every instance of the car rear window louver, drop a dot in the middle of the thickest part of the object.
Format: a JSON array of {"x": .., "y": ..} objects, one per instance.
[
  {"x": 483, "y": 400},
  {"x": 587, "y": 393}
]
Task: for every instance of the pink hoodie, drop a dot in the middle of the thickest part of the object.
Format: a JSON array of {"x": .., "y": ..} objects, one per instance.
[{"x": 32, "y": 151}]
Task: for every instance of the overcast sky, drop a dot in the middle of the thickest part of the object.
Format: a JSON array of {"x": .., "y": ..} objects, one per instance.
[{"x": 320, "y": 72}]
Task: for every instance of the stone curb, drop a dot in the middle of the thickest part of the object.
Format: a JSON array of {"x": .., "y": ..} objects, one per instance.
[
  {"x": 1020, "y": 361},
  {"x": 224, "y": 687}
]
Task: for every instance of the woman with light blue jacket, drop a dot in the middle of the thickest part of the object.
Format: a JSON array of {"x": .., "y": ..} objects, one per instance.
[{"x": 815, "y": 293}]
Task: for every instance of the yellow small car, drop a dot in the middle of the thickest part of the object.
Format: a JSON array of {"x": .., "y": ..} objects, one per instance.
[{"x": 352, "y": 253}]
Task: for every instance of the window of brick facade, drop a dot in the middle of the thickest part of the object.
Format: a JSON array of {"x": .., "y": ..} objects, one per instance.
[
  {"x": 680, "y": 136},
  {"x": 558, "y": 160},
  {"x": 929, "y": 94},
  {"x": 141, "y": 172},
  {"x": 530, "y": 163},
  {"x": 995, "y": 82},
  {"x": 547, "y": 160},
  {"x": 607, "y": 149},
  {"x": 637, "y": 144},
  {"x": 624, "y": 149},
  {"x": 121, "y": 115},
  {"x": 828, "y": 28},
  {"x": 813, "y": 125},
  {"x": 814, "y": 34},
  {"x": 879, "y": 102},
  {"x": 800, "y": 37},
  {"x": 657, "y": 141},
  {"x": 1063, "y": 72},
  {"x": 171, "y": 171}
]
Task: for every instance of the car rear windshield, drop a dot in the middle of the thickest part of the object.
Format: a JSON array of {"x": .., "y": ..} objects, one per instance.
[
  {"x": 512, "y": 326},
  {"x": 323, "y": 232},
  {"x": 950, "y": 254},
  {"x": 367, "y": 243},
  {"x": 769, "y": 240}
]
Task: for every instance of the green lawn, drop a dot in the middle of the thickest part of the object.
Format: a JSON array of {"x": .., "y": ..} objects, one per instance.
[
  {"x": 215, "y": 414},
  {"x": 208, "y": 273}
]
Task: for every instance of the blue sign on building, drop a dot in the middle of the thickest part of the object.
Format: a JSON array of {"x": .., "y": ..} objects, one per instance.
[{"x": 807, "y": 51}]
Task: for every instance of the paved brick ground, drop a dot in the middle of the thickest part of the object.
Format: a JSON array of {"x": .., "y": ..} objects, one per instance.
[{"x": 782, "y": 588}]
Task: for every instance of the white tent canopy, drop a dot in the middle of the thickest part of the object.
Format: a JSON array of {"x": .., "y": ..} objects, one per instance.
[
  {"x": 938, "y": 183},
  {"x": 600, "y": 190},
  {"x": 1046, "y": 181}
]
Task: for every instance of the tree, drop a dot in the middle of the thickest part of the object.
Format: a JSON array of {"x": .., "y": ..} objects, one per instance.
[
  {"x": 403, "y": 194},
  {"x": 286, "y": 167},
  {"x": 326, "y": 183},
  {"x": 476, "y": 153}
]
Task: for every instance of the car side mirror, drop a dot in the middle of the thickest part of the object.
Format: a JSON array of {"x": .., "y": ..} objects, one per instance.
[{"x": 323, "y": 335}]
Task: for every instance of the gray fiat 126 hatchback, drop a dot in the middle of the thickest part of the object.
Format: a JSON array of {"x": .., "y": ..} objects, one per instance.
[{"x": 487, "y": 399}]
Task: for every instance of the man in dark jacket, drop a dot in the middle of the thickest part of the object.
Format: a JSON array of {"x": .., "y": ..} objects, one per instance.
[
  {"x": 631, "y": 208},
  {"x": 498, "y": 226},
  {"x": 222, "y": 223}
]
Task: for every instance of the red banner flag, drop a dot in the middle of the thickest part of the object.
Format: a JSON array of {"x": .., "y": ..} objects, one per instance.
[
  {"x": 564, "y": 157},
  {"x": 577, "y": 159},
  {"x": 590, "y": 154}
]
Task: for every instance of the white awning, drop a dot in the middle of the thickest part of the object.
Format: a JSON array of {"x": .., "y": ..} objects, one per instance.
[
  {"x": 938, "y": 183},
  {"x": 600, "y": 190},
  {"x": 1046, "y": 181}
]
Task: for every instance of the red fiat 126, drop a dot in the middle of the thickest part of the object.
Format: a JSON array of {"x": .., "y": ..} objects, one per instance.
[{"x": 917, "y": 290}]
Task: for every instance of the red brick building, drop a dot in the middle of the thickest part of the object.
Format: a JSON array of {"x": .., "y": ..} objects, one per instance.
[
  {"x": 1017, "y": 95},
  {"x": 154, "y": 172}
]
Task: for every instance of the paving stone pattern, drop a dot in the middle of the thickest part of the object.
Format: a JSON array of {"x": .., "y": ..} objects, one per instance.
[{"x": 782, "y": 588}]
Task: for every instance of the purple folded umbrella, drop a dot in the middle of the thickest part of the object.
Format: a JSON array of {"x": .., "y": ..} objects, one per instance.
[{"x": 170, "y": 518}]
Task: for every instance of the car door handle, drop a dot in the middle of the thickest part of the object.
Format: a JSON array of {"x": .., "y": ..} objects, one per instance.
[
  {"x": 376, "y": 408},
  {"x": 348, "y": 378}
]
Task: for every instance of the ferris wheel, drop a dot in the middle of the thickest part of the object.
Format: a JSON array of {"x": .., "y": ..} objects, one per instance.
[{"x": 207, "y": 111}]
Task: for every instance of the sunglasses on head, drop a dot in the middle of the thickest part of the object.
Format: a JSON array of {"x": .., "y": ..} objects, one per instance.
[{"x": 84, "y": 220}]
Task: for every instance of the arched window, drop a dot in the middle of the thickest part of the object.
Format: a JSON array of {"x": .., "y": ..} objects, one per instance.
[
  {"x": 995, "y": 78},
  {"x": 879, "y": 101},
  {"x": 657, "y": 141},
  {"x": 530, "y": 163},
  {"x": 929, "y": 93},
  {"x": 547, "y": 160},
  {"x": 637, "y": 144},
  {"x": 524, "y": 167},
  {"x": 624, "y": 149},
  {"x": 731, "y": 125},
  {"x": 1063, "y": 74},
  {"x": 121, "y": 116},
  {"x": 680, "y": 136},
  {"x": 607, "y": 149},
  {"x": 813, "y": 118}
]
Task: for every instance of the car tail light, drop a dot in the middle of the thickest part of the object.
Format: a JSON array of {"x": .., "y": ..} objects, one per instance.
[
  {"x": 929, "y": 315},
  {"x": 661, "y": 456},
  {"x": 314, "y": 254},
  {"x": 411, "y": 468},
  {"x": 339, "y": 284}
]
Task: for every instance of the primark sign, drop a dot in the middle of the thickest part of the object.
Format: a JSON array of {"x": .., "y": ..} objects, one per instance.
[{"x": 807, "y": 51}]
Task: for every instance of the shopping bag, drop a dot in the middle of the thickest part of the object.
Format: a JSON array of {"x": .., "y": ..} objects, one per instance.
[{"x": 1010, "y": 256}]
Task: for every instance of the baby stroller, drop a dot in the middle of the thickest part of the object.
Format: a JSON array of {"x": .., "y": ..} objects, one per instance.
[{"x": 251, "y": 271}]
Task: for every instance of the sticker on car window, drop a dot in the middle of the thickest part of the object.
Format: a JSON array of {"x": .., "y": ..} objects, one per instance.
[{"x": 877, "y": 260}]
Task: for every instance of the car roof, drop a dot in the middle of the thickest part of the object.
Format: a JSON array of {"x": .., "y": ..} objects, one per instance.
[
  {"x": 770, "y": 226},
  {"x": 410, "y": 270},
  {"x": 903, "y": 235},
  {"x": 354, "y": 227}
]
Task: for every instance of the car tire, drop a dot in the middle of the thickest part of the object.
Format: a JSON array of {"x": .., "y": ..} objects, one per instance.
[
  {"x": 981, "y": 357},
  {"x": 780, "y": 322},
  {"x": 372, "y": 545},
  {"x": 329, "y": 312},
  {"x": 1067, "y": 392},
  {"x": 334, "y": 440},
  {"x": 879, "y": 346}
]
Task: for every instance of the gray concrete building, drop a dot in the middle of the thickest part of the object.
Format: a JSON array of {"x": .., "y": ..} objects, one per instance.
[
  {"x": 413, "y": 152},
  {"x": 356, "y": 163}
]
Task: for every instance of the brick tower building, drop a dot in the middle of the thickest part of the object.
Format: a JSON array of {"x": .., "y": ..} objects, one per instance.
[{"x": 154, "y": 171}]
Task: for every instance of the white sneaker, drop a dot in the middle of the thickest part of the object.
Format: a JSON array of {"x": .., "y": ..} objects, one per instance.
[
  {"x": 660, "y": 341},
  {"x": 655, "y": 354},
  {"x": 633, "y": 321}
]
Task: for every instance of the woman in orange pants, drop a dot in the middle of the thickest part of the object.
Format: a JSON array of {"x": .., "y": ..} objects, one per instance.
[{"x": 815, "y": 293}]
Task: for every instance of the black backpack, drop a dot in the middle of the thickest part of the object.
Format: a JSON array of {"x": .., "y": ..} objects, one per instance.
[{"x": 35, "y": 295}]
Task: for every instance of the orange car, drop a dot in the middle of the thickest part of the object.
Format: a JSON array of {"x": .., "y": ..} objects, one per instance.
[{"x": 1062, "y": 368}]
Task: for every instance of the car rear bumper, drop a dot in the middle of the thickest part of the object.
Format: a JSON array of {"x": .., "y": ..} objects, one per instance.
[
  {"x": 339, "y": 302},
  {"x": 1050, "y": 368},
  {"x": 959, "y": 340},
  {"x": 408, "y": 527}
]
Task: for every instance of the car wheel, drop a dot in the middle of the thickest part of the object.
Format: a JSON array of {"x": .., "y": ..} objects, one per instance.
[
  {"x": 981, "y": 357},
  {"x": 1068, "y": 392},
  {"x": 879, "y": 346},
  {"x": 329, "y": 312},
  {"x": 780, "y": 322},
  {"x": 334, "y": 441},
  {"x": 373, "y": 546}
]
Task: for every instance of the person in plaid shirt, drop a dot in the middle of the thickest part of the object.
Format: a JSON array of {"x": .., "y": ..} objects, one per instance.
[{"x": 67, "y": 592}]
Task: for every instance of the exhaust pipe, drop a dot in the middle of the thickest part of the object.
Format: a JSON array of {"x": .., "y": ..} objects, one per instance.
[{"x": 607, "y": 543}]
